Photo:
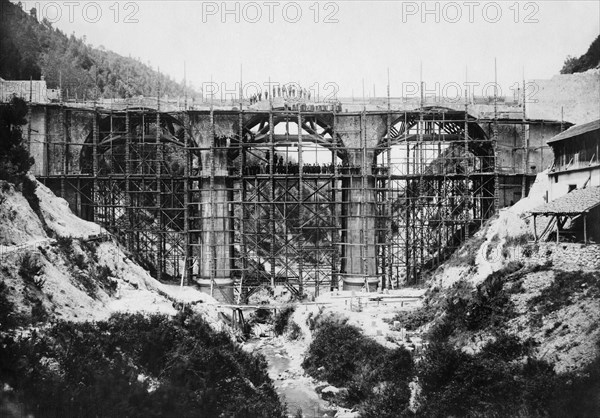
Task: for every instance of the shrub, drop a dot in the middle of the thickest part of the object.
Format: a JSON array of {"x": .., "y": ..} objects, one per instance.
[
  {"x": 29, "y": 270},
  {"x": 488, "y": 306},
  {"x": 519, "y": 240},
  {"x": 565, "y": 285},
  {"x": 491, "y": 246},
  {"x": 137, "y": 366},
  {"x": 15, "y": 160},
  {"x": 342, "y": 356},
  {"x": 502, "y": 380},
  {"x": 28, "y": 191},
  {"x": 80, "y": 261},
  {"x": 529, "y": 250},
  {"x": 295, "y": 331},
  {"x": 102, "y": 276},
  {"x": 412, "y": 320},
  {"x": 458, "y": 384},
  {"x": 7, "y": 318},
  {"x": 65, "y": 244},
  {"x": 91, "y": 247},
  {"x": 281, "y": 320},
  {"x": 87, "y": 281},
  {"x": 38, "y": 312},
  {"x": 336, "y": 351}
]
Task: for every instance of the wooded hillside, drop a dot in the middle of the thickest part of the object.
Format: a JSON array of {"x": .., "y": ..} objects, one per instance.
[{"x": 32, "y": 49}]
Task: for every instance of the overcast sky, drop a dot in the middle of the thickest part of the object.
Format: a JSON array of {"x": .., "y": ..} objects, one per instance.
[{"x": 341, "y": 42}]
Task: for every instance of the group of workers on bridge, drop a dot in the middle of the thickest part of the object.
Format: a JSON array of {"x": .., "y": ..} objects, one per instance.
[
  {"x": 294, "y": 168},
  {"x": 286, "y": 92}
]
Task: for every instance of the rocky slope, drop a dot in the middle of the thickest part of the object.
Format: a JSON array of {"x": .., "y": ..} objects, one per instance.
[
  {"x": 73, "y": 269},
  {"x": 553, "y": 298}
]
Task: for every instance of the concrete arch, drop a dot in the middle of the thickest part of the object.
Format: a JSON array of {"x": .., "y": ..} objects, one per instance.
[
  {"x": 451, "y": 127},
  {"x": 315, "y": 128},
  {"x": 113, "y": 133}
]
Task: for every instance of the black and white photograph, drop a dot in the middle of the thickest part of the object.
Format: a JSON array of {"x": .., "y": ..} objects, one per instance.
[{"x": 303, "y": 209}]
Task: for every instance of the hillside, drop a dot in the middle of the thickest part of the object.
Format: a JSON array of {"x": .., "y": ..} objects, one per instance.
[
  {"x": 85, "y": 331},
  {"x": 54, "y": 270},
  {"x": 544, "y": 293},
  {"x": 32, "y": 49},
  {"x": 512, "y": 325}
]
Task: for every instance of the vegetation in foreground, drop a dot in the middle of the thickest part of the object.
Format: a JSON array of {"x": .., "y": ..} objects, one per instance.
[
  {"x": 135, "y": 366},
  {"x": 376, "y": 378},
  {"x": 502, "y": 379}
]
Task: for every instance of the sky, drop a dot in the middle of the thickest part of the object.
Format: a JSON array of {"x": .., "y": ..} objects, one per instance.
[{"x": 341, "y": 47}]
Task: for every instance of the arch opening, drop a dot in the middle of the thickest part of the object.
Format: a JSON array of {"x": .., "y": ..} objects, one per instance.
[
  {"x": 435, "y": 189},
  {"x": 286, "y": 224},
  {"x": 138, "y": 185}
]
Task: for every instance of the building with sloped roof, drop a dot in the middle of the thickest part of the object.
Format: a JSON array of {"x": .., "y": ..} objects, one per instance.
[
  {"x": 575, "y": 215},
  {"x": 576, "y": 159},
  {"x": 574, "y": 196}
]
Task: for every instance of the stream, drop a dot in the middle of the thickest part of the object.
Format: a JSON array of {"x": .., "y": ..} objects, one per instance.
[{"x": 293, "y": 387}]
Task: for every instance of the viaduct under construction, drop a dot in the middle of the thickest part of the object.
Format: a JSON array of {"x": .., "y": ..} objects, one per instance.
[{"x": 310, "y": 198}]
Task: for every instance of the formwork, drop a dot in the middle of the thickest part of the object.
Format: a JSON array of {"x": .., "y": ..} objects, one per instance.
[{"x": 307, "y": 197}]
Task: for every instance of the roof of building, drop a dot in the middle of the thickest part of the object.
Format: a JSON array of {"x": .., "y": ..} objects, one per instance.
[
  {"x": 576, "y": 202},
  {"x": 576, "y": 131}
]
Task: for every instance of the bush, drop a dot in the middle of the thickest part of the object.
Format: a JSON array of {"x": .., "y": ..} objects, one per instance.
[
  {"x": 137, "y": 366},
  {"x": 91, "y": 248},
  {"x": 342, "y": 356},
  {"x": 65, "y": 244},
  {"x": 15, "y": 160},
  {"x": 412, "y": 320},
  {"x": 336, "y": 352},
  {"x": 295, "y": 331},
  {"x": 28, "y": 190},
  {"x": 38, "y": 312},
  {"x": 502, "y": 380},
  {"x": 560, "y": 292},
  {"x": 102, "y": 275},
  {"x": 7, "y": 318},
  {"x": 80, "y": 261},
  {"x": 519, "y": 240},
  {"x": 89, "y": 284},
  {"x": 486, "y": 306},
  {"x": 29, "y": 270},
  {"x": 281, "y": 320}
]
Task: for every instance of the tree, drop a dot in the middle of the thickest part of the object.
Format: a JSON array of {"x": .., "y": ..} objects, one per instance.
[
  {"x": 15, "y": 160},
  {"x": 569, "y": 65},
  {"x": 589, "y": 60}
]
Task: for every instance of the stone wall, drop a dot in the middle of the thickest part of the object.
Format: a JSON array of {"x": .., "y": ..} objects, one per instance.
[
  {"x": 566, "y": 256},
  {"x": 572, "y": 97}
]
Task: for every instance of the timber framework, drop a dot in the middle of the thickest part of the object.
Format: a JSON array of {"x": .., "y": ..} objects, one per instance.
[{"x": 310, "y": 199}]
